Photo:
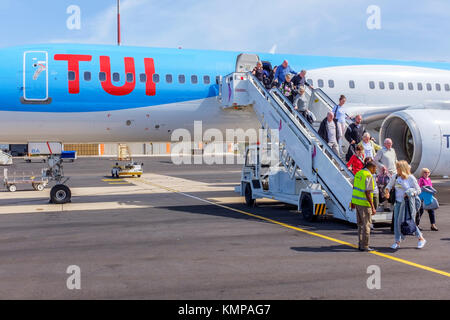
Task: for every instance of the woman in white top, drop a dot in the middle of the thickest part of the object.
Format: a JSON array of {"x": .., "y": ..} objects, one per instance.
[
  {"x": 403, "y": 182},
  {"x": 370, "y": 147},
  {"x": 340, "y": 116}
]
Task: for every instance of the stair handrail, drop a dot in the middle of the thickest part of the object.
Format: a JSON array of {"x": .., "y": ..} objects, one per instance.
[{"x": 324, "y": 144}]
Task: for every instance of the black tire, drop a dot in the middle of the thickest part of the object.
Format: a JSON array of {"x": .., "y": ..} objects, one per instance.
[
  {"x": 60, "y": 194},
  {"x": 307, "y": 208},
  {"x": 248, "y": 195}
]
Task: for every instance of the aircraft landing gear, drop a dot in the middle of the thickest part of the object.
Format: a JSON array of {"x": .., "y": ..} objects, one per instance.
[{"x": 60, "y": 193}]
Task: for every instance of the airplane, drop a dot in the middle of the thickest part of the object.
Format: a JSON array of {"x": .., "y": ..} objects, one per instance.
[{"x": 75, "y": 93}]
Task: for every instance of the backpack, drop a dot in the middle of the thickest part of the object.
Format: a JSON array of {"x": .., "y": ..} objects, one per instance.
[{"x": 408, "y": 226}]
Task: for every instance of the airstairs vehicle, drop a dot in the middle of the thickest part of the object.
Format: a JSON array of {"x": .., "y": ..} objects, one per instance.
[{"x": 308, "y": 174}]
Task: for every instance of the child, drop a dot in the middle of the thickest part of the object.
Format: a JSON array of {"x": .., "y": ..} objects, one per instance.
[
  {"x": 382, "y": 182},
  {"x": 356, "y": 161}
]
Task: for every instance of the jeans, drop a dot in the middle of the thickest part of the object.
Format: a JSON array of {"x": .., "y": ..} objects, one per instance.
[{"x": 397, "y": 224}]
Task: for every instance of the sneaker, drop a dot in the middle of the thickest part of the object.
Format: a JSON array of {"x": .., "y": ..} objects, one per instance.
[
  {"x": 421, "y": 244},
  {"x": 395, "y": 246}
]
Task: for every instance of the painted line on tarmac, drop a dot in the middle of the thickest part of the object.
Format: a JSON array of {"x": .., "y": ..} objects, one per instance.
[{"x": 387, "y": 256}]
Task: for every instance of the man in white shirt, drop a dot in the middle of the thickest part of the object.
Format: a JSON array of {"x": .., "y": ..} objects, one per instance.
[{"x": 387, "y": 157}]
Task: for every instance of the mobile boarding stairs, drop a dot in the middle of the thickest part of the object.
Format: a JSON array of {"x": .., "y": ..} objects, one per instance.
[{"x": 309, "y": 174}]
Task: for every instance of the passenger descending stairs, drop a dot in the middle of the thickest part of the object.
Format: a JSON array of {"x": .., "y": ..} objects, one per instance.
[
  {"x": 123, "y": 152},
  {"x": 302, "y": 151}
]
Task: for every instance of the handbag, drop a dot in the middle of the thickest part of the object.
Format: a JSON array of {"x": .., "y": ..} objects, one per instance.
[
  {"x": 392, "y": 196},
  {"x": 433, "y": 205},
  {"x": 391, "y": 199},
  {"x": 408, "y": 226}
]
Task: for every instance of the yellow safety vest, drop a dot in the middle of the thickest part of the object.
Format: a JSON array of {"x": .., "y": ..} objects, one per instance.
[{"x": 359, "y": 188}]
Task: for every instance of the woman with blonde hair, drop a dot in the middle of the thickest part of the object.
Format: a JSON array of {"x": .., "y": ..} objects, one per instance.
[
  {"x": 406, "y": 186},
  {"x": 427, "y": 188}
]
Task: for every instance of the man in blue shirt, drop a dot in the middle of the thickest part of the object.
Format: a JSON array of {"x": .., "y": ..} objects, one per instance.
[{"x": 282, "y": 71}]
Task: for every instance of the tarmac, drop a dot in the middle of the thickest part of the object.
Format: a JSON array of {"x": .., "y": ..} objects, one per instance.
[{"x": 181, "y": 232}]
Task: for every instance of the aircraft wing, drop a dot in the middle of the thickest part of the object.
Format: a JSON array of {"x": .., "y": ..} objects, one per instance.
[{"x": 372, "y": 113}]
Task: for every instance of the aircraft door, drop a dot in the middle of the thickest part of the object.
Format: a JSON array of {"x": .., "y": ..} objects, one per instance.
[
  {"x": 246, "y": 62},
  {"x": 35, "y": 76}
]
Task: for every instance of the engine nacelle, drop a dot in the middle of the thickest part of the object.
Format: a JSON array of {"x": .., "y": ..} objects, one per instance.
[{"x": 421, "y": 137}]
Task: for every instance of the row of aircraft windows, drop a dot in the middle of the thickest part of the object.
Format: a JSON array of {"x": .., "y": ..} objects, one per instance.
[
  {"x": 390, "y": 85},
  {"x": 129, "y": 77}
]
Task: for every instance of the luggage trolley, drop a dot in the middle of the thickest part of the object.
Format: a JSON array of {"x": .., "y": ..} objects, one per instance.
[{"x": 10, "y": 183}]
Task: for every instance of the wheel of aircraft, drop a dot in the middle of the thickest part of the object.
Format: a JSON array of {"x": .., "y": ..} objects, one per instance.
[{"x": 60, "y": 194}]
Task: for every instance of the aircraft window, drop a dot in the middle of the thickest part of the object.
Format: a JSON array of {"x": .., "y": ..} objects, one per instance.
[
  {"x": 447, "y": 87},
  {"x": 156, "y": 78},
  {"x": 391, "y": 86},
  {"x": 351, "y": 84},
  {"x": 142, "y": 77},
  {"x": 102, "y": 76},
  {"x": 429, "y": 86},
  {"x": 401, "y": 85},
  {"x": 130, "y": 77},
  {"x": 381, "y": 84},
  {"x": 168, "y": 78},
  {"x": 371, "y": 85},
  {"x": 310, "y": 81},
  {"x": 87, "y": 76},
  {"x": 419, "y": 86},
  {"x": 438, "y": 86},
  {"x": 410, "y": 86},
  {"x": 194, "y": 79},
  {"x": 116, "y": 76},
  {"x": 206, "y": 80},
  {"x": 71, "y": 75},
  {"x": 181, "y": 78},
  {"x": 331, "y": 83},
  {"x": 320, "y": 83}
]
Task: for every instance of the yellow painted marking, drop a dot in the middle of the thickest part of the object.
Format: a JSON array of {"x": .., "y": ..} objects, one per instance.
[
  {"x": 387, "y": 256},
  {"x": 119, "y": 183},
  {"x": 112, "y": 180}
]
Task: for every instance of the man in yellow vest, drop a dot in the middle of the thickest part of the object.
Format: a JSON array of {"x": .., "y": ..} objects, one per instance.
[{"x": 362, "y": 200}]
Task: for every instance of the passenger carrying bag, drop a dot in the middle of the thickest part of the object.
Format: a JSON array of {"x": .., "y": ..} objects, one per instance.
[{"x": 408, "y": 226}]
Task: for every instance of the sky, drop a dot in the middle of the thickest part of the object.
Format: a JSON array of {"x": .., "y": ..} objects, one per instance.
[{"x": 405, "y": 30}]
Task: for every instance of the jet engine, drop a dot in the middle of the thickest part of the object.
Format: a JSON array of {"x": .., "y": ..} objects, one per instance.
[{"x": 421, "y": 137}]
